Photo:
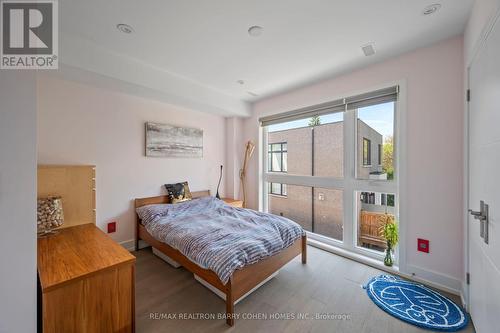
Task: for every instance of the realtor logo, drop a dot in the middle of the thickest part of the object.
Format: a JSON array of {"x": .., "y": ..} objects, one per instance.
[{"x": 29, "y": 34}]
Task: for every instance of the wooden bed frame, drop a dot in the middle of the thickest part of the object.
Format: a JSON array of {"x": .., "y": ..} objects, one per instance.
[{"x": 243, "y": 280}]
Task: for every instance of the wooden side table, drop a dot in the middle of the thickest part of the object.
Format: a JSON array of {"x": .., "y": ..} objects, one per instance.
[{"x": 233, "y": 202}]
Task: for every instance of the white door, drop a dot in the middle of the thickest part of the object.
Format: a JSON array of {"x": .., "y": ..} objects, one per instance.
[{"x": 484, "y": 184}]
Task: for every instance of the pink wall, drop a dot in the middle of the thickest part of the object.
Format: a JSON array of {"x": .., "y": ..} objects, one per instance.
[
  {"x": 434, "y": 77},
  {"x": 234, "y": 144},
  {"x": 79, "y": 124}
]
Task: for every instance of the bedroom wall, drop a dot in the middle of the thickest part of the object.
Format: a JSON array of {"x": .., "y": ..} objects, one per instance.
[
  {"x": 234, "y": 144},
  {"x": 80, "y": 124},
  {"x": 435, "y": 87},
  {"x": 18, "y": 201}
]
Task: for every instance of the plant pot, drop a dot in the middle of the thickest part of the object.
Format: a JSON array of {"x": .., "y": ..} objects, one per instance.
[{"x": 388, "y": 260}]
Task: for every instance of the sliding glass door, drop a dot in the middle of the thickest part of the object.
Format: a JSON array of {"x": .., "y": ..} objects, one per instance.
[{"x": 332, "y": 168}]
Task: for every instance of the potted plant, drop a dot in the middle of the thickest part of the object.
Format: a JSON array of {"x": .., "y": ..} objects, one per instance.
[{"x": 389, "y": 230}]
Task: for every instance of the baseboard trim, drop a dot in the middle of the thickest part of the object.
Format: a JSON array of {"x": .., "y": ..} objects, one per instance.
[
  {"x": 462, "y": 299},
  {"x": 441, "y": 281},
  {"x": 129, "y": 245},
  {"x": 432, "y": 279}
]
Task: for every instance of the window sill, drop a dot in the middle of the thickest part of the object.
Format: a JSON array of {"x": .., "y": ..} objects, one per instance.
[
  {"x": 367, "y": 165},
  {"x": 375, "y": 263},
  {"x": 277, "y": 195}
]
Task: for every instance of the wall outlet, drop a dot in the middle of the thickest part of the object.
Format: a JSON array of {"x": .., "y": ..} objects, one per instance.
[
  {"x": 321, "y": 196},
  {"x": 423, "y": 245},
  {"x": 111, "y": 227}
]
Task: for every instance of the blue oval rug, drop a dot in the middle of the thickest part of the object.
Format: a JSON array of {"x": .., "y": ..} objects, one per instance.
[{"x": 416, "y": 304}]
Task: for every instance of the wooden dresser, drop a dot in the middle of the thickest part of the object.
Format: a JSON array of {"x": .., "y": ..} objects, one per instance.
[{"x": 87, "y": 282}]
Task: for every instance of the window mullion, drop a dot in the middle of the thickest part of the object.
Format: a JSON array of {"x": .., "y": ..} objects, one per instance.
[{"x": 349, "y": 174}]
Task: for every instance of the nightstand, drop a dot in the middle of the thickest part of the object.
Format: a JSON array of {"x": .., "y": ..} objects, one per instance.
[{"x": 233, "y": 202}]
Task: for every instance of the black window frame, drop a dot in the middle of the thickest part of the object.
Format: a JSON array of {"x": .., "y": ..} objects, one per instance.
[
  {"x": 281, "y": 152},
  {"x": 380, "y": 147},
  {"x": 283, "y": 189},
  {"x": 367, "y": 160}
]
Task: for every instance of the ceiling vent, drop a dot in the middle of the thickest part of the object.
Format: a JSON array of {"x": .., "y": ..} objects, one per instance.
[
  {"x": 368, "y": 50},
  {"x": 125, "y": 28},
  {"x": 255, "y": 31},
  {"x": 431, "y": 9}
]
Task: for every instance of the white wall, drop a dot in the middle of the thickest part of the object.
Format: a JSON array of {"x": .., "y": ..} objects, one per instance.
[
  {"x": 234, "y": 145},
  {"x": 80, "y": 124},
  {"x": 434, "y": 80},
  {"x": 18, "y": 201}
]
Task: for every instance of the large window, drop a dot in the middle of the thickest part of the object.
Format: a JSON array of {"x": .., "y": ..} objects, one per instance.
[
  {"x": 277, "y": 161},
  {"x": 331, "y": 169}
]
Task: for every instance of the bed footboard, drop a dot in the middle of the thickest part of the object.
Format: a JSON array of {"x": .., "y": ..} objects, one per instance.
[{"x": 250, "y": 276}]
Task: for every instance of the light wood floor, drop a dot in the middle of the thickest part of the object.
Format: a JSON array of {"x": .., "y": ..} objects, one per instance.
[{"x": 327, "y": 284}]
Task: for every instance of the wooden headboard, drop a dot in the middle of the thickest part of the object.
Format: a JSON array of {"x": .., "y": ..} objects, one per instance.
[
  {"x": 75, "y": 184},
  {"x": 163, "y": 199}
]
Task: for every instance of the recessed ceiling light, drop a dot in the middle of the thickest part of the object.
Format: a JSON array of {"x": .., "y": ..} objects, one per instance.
[
  {"x": 125, "y": 28},
  {"x": 431, "y": 9},
  {"x": 240, "y": 82},
  {"x": 255, "y": 31},
  {"x": 368, "y": 50}
]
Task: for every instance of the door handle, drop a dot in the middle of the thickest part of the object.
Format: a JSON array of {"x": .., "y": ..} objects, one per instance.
[
  {"x": 483, "y": 217},
  {"x": 477, "y": 215}
]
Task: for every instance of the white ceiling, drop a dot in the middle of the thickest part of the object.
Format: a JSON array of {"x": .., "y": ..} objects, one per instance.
[{"x": 205, "y": 44}]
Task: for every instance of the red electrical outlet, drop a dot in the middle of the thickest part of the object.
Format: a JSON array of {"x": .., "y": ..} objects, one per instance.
[
  {"x": 423, "y": 245},
  {"x": 111, "y": 227}
]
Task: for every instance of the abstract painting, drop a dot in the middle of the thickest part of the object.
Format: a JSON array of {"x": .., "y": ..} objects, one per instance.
[{"x": 172, "y": 141}]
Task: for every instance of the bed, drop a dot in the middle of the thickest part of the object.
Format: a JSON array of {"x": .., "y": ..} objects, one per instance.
[{"x": 158, "y": 225}]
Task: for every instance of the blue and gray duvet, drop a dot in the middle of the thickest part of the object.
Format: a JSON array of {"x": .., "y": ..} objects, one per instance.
[{"x": 217, "y": 236}]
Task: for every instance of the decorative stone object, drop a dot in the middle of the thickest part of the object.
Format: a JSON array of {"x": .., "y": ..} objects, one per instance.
[{"x": 49, "y": 214}]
